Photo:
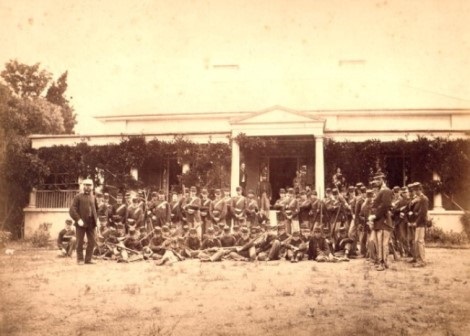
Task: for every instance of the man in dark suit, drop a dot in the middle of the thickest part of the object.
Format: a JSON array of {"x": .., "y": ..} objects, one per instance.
[
  {"x": 382, "y": 220},
  {"x": 84, "y": 213}
]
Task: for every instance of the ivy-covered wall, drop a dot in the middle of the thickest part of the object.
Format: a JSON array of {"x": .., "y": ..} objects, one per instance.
[
  {"x": 415, "y": 160},
  {"x": 210, "y": 163}
]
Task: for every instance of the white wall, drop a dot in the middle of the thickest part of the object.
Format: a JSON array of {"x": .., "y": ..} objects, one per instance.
[{"x": 34, "y": 217}]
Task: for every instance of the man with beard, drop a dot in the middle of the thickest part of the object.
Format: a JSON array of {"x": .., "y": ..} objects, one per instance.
[{"x": 84, "y": 213}]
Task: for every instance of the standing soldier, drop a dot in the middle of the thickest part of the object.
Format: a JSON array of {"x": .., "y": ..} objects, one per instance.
[
  {"x": 127, "y": 198},
  {"x": 175, "y": 211},
  {"x": 119, "y": 209},
  {"x": 135, "y": 212},
  {"x": 161, "y": 210},
  {"x": 315, "y": 209},
  {"x": 84, "y": 212},
  {"x": 305, "y": 207},
  {"x": 411, "y": 217},
  {"x": 337, "y": 211},
  {"x": 264, "y": 194},
  {"x": 206, "y": 220},
  {"x": 102, "y": 206},
  {"x": 109, "y": 208},
  {"x": 382, "y": 220},
  {"x": 239, "y": 205},
  {"x": 364, "y": 229},
  {"x": 252, "y": 210},
  {"x": 243, "y": 177},
  {"x": 191, "y": 207},
  {"x": 422, "y": 206},
  {"x": 218, "y": 209},
  {"x": 279, "y": 206},
  {"x": 228, "y": 202},
  {"x": 401, "y": 223},
  {"x": 356, "y": 221}
]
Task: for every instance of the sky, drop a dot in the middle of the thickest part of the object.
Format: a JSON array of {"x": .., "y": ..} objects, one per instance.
[{"x": 153, "y": 56}]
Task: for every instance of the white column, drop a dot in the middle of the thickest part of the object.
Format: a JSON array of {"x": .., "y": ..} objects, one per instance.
[
  {"x": 319, "y": 167},
  {"x": 235, "y": 172},
  {"x": 437, "y": 196},
  {"x": 134, "y": 173},
  {"x": 32, "y": 198}
]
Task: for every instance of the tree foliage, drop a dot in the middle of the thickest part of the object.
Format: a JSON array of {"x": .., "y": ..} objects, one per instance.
[
  {"x": 450, "y": 159},
  {"x": 25, "y": 80},
  {"x": 27, "y": 84},
  {"x": 25, "y": 110},
  {"x": 56, "y": 95},
  {"x": 209, "y": 163}
]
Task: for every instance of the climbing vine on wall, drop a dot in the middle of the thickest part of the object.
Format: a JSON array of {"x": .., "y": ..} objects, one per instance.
[
  {"x": 450, "y": 159},
  {"x": 209, "y": 163}
]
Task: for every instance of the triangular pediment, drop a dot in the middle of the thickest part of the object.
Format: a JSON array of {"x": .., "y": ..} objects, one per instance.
[{"x": 276, "y": 114}]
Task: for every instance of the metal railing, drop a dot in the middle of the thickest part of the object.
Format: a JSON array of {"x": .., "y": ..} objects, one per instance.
[{"x": 53, "y": 199}]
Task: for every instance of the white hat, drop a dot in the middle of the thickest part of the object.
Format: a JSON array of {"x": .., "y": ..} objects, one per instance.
[{"x": 87, "y": 181}]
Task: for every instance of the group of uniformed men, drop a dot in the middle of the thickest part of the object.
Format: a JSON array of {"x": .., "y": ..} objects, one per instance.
[{"x": 354, "y": 222}]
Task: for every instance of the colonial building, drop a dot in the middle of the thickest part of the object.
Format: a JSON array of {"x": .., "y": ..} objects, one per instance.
[{"x": 300, "y": 133}]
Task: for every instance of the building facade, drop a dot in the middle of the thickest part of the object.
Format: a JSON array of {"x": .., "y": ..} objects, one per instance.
[{"x": 300, "y": 134}]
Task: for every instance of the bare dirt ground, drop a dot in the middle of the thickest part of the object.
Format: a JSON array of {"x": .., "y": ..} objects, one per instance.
[{"x": 45, "y": 295}]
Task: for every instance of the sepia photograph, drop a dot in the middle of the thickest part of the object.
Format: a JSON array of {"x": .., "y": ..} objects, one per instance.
[{"x": 235, "y": 167}]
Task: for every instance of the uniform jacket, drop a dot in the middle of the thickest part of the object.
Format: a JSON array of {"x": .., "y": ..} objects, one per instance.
[
  {"x": 218, "y": 209},
  {"x": 316, "y": 247},
  {"x": 65, "y": 236},
  {"x": 381, "y": 207},
  {"x": 422, "y": 210}
]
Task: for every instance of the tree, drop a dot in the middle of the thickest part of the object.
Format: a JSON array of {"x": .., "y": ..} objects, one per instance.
[
  {"x": 25, "y": 80},
  {"x": 25, "y": 111},
  {"x": 56, "y": 95},
  {"x": 32, "y": 116},
  {"x": 29, "y": 82}
]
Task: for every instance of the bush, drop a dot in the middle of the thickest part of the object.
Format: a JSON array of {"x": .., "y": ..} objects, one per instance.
[
  {"x": 41, "y": 236},
  {"x": 465, "y": 220},
  {"x": 438, "y": 236},
  {"x": 5, "y": 237}
]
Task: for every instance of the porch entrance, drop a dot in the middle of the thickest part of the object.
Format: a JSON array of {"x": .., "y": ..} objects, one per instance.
[{"x": 281, "y": 173}]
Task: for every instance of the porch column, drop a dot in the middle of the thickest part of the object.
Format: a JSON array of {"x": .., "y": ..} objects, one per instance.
[
  {"x": 235, "y": 172},
  {"x": 319, "y": 166},
  {"x": 437, "y": 196},
  {"x": 134, "y": 173},
  {"x": 32, "y": 198}
]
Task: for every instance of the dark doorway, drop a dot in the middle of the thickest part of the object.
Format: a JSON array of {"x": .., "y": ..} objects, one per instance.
[
  {"x": 174, "y": 171},
  {"x": 395, "y": 171},
  {"x": 281, "y": 174}
]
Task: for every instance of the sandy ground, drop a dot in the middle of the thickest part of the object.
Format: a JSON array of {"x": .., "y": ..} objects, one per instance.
[{"x": 45, "y": 295}]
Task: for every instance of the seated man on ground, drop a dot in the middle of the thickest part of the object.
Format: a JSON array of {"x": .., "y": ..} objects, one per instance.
[
  {"x": 268, "y": 245},
  {"x": 296, "y": 247},
  {"x": 192, "y": 244},
  {"x": 173, "y": 252},
  {"x": 131, "y": 243},
  {"x": 209, "y": 246},
  {"x": 66, "y": 240},
  {"x": 227, "y": 239},
  {"x": 343, "y": 245},
  {"x": 318, "y": 248},
  {"x": 155, "y": 249}
]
